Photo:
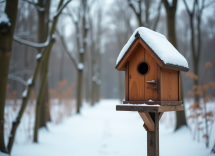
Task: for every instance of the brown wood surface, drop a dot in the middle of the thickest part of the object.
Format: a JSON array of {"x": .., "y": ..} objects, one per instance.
[
  {"x": 153, "y": 137},
  {"x": 162, "y": 103},
  {"x": 175, "y": 67},
  {"x": 140, "y": 108},
  {"x": 179, "y": 86},
  {"x": 153, "y": 55},
  {"x": 160, "y": 115},
  {"x": 149, "y": 123},
  {"x": 169, "y": 85},
  {"x": 158, "y": 82},
  {"x": 136, "y": 80},
  {"x": 171, "y": 103},
  {"x": 121, "y": 65},
  {"x": 150, "y": 93},
  {"x": 126, "y": 81}
]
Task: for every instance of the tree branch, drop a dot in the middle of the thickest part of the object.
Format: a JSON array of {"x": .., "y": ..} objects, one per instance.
[
  {"x": 21, "y": 72},
  {"x": 2, "y": 1},
  {"x": 158, "y": 16},
  {"x": 188, "y": 10},
  {"x": 35, "y": 5},
  {"x": 32, "y": 44},
  {"x": 61, "y": 8},
  {"x": 19, "y": 79},
  {"x": 166, "y": 4},
  {"x": 71, "y": 55}
]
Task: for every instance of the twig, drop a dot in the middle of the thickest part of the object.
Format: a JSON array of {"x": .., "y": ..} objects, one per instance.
[
  {"x": 71, "y": 55},
  {"x": 61, "y": 8},
  {"x": 35, "y": 5},
  {"x": 32, "y": 44}
]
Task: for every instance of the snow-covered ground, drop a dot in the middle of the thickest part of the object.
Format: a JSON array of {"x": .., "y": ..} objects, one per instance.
[{"x": 101, "y": 130}]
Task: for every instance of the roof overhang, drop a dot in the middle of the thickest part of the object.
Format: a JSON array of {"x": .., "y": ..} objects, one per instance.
[{"x": 134, "y": 46}]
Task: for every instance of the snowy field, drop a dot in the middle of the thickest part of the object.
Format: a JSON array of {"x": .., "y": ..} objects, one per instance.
[{"x": 101, "y": 130}]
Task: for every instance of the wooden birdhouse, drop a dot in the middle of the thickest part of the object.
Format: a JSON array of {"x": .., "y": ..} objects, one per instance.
[{"x": 152, "y": 69}]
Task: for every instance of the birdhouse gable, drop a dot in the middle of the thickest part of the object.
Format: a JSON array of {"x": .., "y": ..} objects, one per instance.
[{"x": 156, "y": 44}]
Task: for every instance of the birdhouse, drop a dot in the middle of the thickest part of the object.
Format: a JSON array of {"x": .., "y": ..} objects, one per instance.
[{"x": 152, "y": 68}]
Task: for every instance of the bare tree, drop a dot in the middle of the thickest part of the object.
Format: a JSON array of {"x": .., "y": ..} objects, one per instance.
[
  {"x": 96, "y": 31},
  {"x": 121, "y": 19},
  {"x": 31, "y": 82},
  {"x": 7, "y": 26},
  {"x": 147, "y": 8},
  {"x": 195, "y": 15}
]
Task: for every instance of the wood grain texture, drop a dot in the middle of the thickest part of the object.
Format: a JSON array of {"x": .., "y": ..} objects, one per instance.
[
  {"x": 147, "y": 120},
  {"x": 162, "y": 103},
  {"x": 150, "y": 94},
  {"x": 158, "y": 82},
  {"x": 169, "y": 85},
  {"x": 153, "y": 55},
  {"x": 153, "y": 137},
  {"x": 136, "y": 80},
  {"x": 148, "y": 108},
  {"x": 127, "y": 81},
  {"x": 179, "y": 86},
  {"x": 121, "y": 65},
  {"x": 160, "y": 115}
]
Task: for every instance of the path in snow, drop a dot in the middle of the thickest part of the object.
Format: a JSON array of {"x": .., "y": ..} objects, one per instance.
[{"x": 101, "y": 130}]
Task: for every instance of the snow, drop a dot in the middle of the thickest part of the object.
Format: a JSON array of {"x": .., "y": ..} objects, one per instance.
[
  {"x": 81, "y": 50},
  {"x": 101, "y": 130},
  {"x": 3, "y": 154},
  {"x": 24, "y": 94},
  {"x": 87, "y": 27},
  {"x": 4, "y": 19},
  {"x": 150, "y": 100},
  {"x": 159, "y": 44},
  {"x": 39, "y": 55},
  {"x": 30, "y": 81},
  {"x": 80, "y": 66},
  {"x": 94, "y": 78}
]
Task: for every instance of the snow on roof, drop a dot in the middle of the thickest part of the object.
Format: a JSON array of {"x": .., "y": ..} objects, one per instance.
[
  {"x": 159, "y": 45},
  {"x": 4, "y": 19}
]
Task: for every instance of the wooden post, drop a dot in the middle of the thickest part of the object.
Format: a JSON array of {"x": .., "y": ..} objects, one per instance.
[{"x": 153, "y": 137}]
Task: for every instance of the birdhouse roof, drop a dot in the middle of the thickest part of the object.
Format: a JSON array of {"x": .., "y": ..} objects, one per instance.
[{"x": 168, "y": 56}]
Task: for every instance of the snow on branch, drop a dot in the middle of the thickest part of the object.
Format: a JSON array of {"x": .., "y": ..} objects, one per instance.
[
  {"x": 25, "y": 93},
  {"x": 61, "y": 8},
  {"x": 81, "y": 50},
  {"x": 4, "y": 23},
  {"x": 80, "y": 66},
  {"x": 21, "y": 72},
  {"x": 35, "y": 5},
  {"x": 32, "y": 44},
  {"x": 19, "y": 79}
]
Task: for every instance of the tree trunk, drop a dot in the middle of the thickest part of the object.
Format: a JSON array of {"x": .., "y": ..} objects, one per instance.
[
  {"x": 213, "y": 149},
  {"x": 40, "y": 95},
  {"x": 6, "y": 40},
  {"x": 171, "y": 11},
  {"x": 79, "y": 90},
  {"x": 43, "y": 28},
  {"x": 44, "y": 79}
]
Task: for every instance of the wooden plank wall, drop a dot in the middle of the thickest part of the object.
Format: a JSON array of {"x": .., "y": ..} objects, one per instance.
[
  {"x": 169, "y": 85},
  {"x": 126, "y": 81}
]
